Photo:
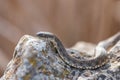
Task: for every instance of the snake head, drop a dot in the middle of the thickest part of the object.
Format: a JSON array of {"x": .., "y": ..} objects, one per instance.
[
  {"x": 42, "y": 33},
  {"x": 46, "y": 35}
]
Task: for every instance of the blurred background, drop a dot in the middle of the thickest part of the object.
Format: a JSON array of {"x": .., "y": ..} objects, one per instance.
[{"x": 70, "y": 20}]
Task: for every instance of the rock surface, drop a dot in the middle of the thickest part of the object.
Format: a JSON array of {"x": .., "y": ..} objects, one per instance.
[{"x": 35, "y": 59}]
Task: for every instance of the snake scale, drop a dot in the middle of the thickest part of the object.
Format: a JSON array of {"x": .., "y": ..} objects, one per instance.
[{"x": 101, "y": 55}]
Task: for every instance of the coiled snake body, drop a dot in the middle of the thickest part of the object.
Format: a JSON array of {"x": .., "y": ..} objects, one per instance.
[{"x": 100, "y": 59}]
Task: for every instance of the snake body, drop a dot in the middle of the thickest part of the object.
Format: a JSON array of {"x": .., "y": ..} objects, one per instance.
[{"x": 100, "y": 59}]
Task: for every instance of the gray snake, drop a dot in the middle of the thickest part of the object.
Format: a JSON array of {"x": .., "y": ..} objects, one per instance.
[{"x": 100, "y": 59}]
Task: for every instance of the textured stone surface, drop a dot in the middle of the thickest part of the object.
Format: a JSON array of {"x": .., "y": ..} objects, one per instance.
[{"x": 35, "y": 59}]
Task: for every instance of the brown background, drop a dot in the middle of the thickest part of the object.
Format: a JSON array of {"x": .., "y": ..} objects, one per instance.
[{"x": 71, "y": 20}]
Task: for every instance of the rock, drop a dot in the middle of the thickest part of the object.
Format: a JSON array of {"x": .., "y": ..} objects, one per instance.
[{"x": 35, "y": 59}]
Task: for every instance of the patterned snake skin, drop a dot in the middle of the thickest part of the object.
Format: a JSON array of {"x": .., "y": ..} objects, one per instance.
[
  {"x": 44, "y": 58},
  {"x": 101, "y": 55}
]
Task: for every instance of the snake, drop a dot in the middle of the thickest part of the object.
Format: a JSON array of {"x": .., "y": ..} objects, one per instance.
[{"x": 101, "y": 57}]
